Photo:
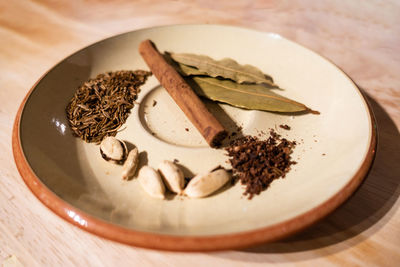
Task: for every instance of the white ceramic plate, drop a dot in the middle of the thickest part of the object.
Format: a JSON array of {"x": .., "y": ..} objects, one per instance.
[{"x": 334, "y": 152}]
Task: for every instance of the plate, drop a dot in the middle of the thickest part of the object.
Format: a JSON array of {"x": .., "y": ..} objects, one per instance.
[{"x": 334, "y": 153}]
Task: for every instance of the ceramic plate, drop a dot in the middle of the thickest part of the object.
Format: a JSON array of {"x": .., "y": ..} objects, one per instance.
[{"x": 334, "y": 152}]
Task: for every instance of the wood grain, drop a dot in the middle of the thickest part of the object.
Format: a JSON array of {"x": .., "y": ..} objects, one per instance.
[{"x": 361, "y": 37}]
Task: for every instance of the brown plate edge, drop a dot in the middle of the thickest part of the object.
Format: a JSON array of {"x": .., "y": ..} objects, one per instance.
[{"x": 185, "y": 243}]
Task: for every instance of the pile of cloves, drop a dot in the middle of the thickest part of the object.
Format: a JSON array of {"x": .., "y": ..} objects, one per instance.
[{"x": 257, "y": 163}]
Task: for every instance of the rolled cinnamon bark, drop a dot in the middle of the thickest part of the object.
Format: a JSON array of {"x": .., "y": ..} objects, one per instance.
[{"x": 209, "y": 127}]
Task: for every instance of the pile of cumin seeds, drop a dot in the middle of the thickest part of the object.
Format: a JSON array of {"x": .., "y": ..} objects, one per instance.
[
  {"x": 100, "y": 106},
  {"x": 256, "y": 163}
]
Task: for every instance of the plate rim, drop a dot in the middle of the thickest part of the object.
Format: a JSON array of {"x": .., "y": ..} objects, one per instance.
[{"x": 158, "y": 241}]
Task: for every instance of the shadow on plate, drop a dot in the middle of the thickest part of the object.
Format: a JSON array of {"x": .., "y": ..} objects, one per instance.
[{"x": 368, "y": 209}]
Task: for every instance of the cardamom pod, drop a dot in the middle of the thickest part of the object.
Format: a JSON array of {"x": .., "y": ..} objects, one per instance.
[
  {"x": 131, "y": 163},
  {"x": 151, "y": 182},
  {"x": 172, "y": 175},
  {"x": 204, "y": 185}
]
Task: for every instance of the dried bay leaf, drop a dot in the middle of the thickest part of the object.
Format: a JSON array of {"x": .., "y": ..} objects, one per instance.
[
  {"x": 226, "y": 68},
  {"x": 189, "y": 71},
  {"x": 183, "y": 70},
  {"x": 247, "y": 96}
]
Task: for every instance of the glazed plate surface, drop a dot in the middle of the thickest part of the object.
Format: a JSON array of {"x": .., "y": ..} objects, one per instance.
[{"x": 334, "y": 152}]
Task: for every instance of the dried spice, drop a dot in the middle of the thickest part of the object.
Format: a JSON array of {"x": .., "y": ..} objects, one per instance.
[
  {"x": 285, "y": 126},
  {"x": 225, "y": 68},
  {"x": 226, "y": 81},
  {"x": 172, "y": 176},
  {"x": 256, "y": 163},
  {"x": 131, "y": 164},
  {"x": 151, "y": 182},
  {"x": 101, "y": 105},
  {"x": 195, "y": 110},
  {"x": 113, "y": 150},
  {"x": 247, "y": 96},
  {"x": 203, "y": 185}
]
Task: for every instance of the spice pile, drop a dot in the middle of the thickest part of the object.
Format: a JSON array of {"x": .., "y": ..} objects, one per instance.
[
  {"x": 168, "y": 176},
  {"x": 256, "y": 163},
  {"x": 101, "y": 105}
]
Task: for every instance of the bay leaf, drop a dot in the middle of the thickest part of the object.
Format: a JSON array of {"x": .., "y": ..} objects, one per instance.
[
  {"x": 226, "y": 68},
  {"x": 247, "y": 96},
  {"x": 184, "y": 70},
  {"x": 189, "y": 71}
]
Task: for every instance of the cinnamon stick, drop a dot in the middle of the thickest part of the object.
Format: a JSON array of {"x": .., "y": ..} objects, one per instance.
[{"x": 209, "y": 127}]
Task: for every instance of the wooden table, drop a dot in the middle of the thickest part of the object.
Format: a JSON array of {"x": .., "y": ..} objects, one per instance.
[{"x": 361, "y": 37}]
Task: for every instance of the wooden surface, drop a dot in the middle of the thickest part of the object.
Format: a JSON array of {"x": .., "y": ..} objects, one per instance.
[{"x": 361, "y": 37}]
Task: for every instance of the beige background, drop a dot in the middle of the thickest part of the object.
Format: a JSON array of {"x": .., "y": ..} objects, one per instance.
[{"x": 361, "y": 37}]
